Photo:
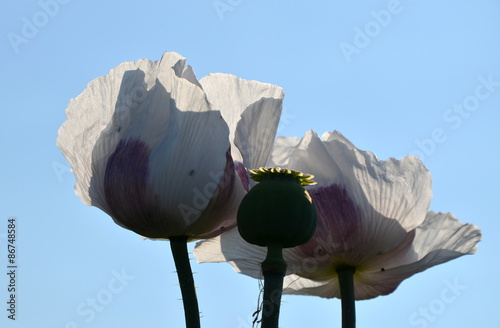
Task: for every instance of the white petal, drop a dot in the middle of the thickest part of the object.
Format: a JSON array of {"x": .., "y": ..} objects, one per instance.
[
  {"x": 297, "y": 285},
  {"x": 282, "y": 150},
  {"x": 311, "y": 156},
  {"x": 230, "y": 247},
  {"x": 188, "y": 163},
  {"x": 251, "y": 109},
  {"x": 439, "y": 239},
  {"x": 443, "y": 231},
  {"x": 396, "y": 189},
  {"x": 220, "y": 213},
  {"x": 88, "y": 115},
  {"x": 189, "y": 75},
  {"x": 159, "y": 112},
  {"x": 389, "y": 197}
]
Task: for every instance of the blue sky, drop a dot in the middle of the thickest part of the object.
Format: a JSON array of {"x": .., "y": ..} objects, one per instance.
[{"x": 395, "y": 77}]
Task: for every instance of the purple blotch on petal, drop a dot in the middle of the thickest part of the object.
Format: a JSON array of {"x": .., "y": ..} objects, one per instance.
[
  {"x": 337, "y": 214},
  {"x": 125, "y": 185},
  {"x": 243, "y": 174},
  {"x": 338, "y": 229},
  {"x": 217, "y": 207}
]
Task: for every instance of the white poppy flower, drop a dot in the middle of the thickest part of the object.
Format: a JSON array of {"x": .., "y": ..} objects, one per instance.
[
  {"x": 165, "y": 154},
  {"x": 372, "y": 215}
]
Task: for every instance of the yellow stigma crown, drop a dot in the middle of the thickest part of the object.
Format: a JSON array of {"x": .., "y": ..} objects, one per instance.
[{"x": 263, "y": 173}]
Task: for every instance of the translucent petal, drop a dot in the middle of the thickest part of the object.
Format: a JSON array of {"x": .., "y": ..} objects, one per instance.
[
  {"x": 439, "y": 239},
  {"x": 282, "y": 150},
  {"x": 252, "y": 110},
  {"x": 230, "y": 247},
  {"x": 396, "y": 189},
  {"x": 88, "y": 115},
  {"x": 160, "y": 111},
  {"x": 387, "y": 198}
]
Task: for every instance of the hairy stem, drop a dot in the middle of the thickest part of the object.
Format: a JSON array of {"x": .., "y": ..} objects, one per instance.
[
  {"x": 186, "y": 281},
  {"x": 346, "y": 282}
]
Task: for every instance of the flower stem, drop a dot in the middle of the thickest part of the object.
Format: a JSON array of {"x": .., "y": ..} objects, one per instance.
[
  {"x": 273, "y": 269},
  {"x": 346, "y": 282},
  {"x": 186, "y": 281}
]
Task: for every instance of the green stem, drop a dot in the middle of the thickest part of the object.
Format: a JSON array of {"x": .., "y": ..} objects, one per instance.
[
  {"x": 346, "y": 282},
  {"x": 273, "y": 269},
  {"x": 186, "y": 281}
]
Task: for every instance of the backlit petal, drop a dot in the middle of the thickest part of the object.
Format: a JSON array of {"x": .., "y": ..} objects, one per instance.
[
  {"x": 282, "y": 151},
  {"x": 381, "y": 200},
  {"x": 88, "y": 115},
  {"x": 396, "y": 189},
  {"x": 252, "y": 110},
  {"x": 439, "y": 239},
  {"x": 230, "y": 247},
  {"x": 148, "y": 147}
]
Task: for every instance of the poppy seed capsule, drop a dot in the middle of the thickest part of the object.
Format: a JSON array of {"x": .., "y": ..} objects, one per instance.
[{"x": 278, "y": 210}]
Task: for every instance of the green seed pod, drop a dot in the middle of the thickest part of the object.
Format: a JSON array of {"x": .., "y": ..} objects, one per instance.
[{"x": 278, "y": 211}]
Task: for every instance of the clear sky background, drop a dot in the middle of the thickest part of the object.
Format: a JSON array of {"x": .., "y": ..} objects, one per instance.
[{"x": 395, "y": 91}]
